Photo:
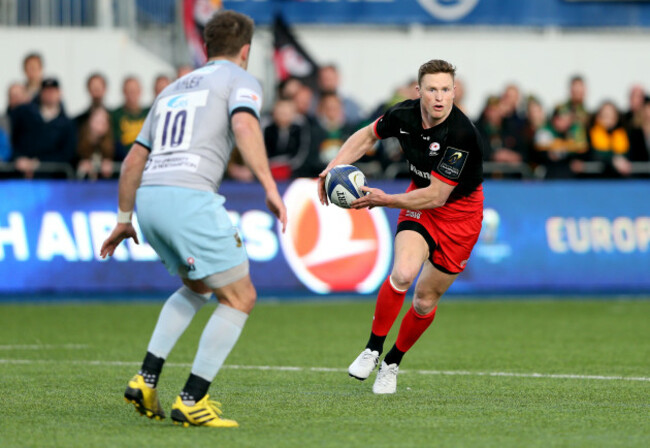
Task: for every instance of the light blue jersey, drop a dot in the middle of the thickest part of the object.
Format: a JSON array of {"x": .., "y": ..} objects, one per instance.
[{"x": 188, "y": 127}]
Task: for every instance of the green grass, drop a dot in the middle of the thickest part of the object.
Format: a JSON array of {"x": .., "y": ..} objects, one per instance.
[{"x": 51, "y": 397}]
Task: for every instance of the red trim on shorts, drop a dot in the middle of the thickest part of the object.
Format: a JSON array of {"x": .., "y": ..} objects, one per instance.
[{"x": 443, "y": 179}]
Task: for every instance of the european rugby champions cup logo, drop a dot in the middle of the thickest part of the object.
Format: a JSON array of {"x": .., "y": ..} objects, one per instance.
[{"x": 331, "y": 249}]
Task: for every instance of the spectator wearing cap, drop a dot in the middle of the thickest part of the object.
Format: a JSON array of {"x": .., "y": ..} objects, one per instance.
[{"x": 41, "y": 131}]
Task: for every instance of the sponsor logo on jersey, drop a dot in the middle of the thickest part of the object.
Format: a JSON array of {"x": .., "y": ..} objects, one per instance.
[
  {"x": 190, "y": 264},
  {"x": 452, "y": 162},
  {"x": 403, "y": 132},
  {"x": 413, "y": 214},
  {"x": 177, "y": 101},
  {"x": 418, "y": 172},
  {"x": 434, "y": 148},
  {"x": 248, "y": 95},
  {"x": 333, "y": 249},
  {"x": 175, "y": 162}
]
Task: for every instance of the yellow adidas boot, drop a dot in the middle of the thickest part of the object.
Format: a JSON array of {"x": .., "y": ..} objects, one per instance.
[
  {"x": 144, "y": 398},
  {"x": 205, "y": 412}
]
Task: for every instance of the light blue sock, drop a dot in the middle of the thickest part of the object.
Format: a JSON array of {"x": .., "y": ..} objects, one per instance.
[
  {"x": 175, "y": 316},
  {"x": 218, "y": 339}
]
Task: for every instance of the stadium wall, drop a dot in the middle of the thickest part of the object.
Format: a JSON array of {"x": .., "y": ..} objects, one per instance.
[
  {"x": 373, "y": 60},
  {"x": 583, "y": 237}
]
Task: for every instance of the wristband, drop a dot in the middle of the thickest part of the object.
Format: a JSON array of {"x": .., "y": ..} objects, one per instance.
[{"x": 124, "y": 217}]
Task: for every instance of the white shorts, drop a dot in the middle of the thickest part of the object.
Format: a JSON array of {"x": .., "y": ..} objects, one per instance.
[{"x": 191, "y": 232}]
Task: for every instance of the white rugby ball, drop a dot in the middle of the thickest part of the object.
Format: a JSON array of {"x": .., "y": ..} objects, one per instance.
[{"x": 343, "y": 185}]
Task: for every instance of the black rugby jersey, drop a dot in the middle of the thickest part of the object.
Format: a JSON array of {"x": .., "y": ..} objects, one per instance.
[{"x": 452, "y": 151}]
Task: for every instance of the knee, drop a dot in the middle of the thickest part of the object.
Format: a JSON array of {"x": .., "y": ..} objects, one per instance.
[
  {"x": 403, "y": 278},
  {"x": 425, "y": 303},
  {"x": 242, "y": 298}
]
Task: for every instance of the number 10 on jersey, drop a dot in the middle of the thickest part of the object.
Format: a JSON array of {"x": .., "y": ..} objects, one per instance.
[{"x": 175, "y": 120}]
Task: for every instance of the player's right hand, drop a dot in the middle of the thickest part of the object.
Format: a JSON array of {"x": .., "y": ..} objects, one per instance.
[
  {"x": 121, "y": 232},
  {"x": 322, "y": 194},
  {"x": 275, "y": 204}
]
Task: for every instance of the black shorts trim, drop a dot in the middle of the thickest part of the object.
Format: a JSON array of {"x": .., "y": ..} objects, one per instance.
[{"x": 419, "y": 228}]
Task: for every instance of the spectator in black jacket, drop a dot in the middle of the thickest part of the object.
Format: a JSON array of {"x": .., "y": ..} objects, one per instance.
[
  {"x": 282, "y": 136},
  {"x": 41, "y": 131},
  {"x": 640, "y": 136},
  {"x": 95, "y": 145}
]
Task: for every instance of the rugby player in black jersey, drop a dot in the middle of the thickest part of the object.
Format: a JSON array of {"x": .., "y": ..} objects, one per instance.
[{"x": 441, "y": 212}]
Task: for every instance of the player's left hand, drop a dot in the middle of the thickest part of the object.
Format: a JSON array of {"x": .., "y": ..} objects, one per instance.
[
  {"x": 374, "y": 197},
  {"x": 322, "y": 195},
  {"x": 121, "y": 232}
]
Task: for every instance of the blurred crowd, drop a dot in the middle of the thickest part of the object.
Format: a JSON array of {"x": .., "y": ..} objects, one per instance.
[
  {"x": 39, "y": 139},
  {"x": 307, "y": 124}
]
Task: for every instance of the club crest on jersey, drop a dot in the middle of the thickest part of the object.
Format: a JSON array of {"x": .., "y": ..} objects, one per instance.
[
  {"x": 452, "y": 162},
  {"x": 434, "y": 148}
]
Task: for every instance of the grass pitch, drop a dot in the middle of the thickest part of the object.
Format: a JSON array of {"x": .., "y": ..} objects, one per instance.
[{"x": 486, "y": 374}]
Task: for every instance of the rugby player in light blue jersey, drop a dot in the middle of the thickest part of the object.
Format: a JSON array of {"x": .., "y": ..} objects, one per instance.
[{"x": 173, "y": 172}]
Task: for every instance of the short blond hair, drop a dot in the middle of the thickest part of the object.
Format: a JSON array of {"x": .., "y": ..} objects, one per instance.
[{"x": 436, "y": 66}]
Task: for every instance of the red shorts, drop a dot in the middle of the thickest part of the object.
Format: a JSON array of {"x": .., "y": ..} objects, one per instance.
[{"x": 450, "y": 240}]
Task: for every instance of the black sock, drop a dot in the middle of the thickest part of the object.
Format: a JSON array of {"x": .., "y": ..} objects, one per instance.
[
  {"x": 376, "y": 343},
  {"x": 394, "y": 356},
  {"x": 151, "y": 368},
  {"x": 195, "y": 388}
]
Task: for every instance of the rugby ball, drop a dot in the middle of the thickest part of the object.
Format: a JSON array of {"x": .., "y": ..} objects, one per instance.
[{"x": 343, "y": 185}]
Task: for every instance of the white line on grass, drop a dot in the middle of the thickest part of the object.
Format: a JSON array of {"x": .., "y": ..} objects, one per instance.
[
  {"x": 43, "y": 347},
  {"x": 339, "y": 370}
]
